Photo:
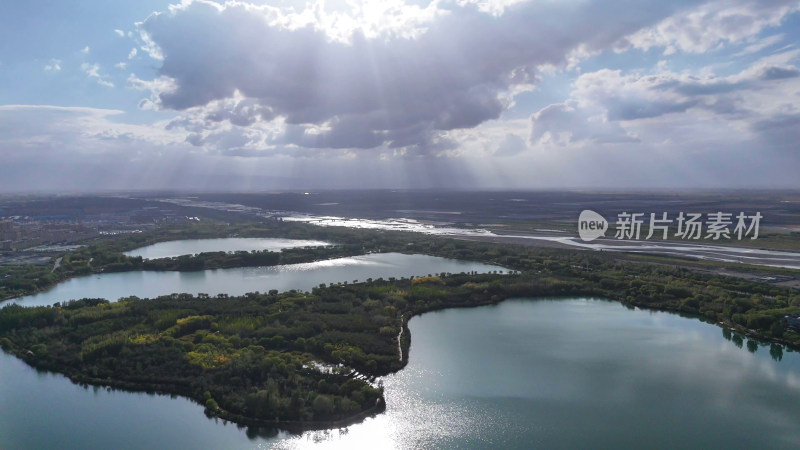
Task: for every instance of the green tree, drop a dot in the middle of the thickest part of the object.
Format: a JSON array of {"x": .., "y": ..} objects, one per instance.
[{"x": 322, "y": 405}]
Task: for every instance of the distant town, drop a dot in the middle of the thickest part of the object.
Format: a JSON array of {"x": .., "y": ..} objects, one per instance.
[{"x": 36, "y": 237}]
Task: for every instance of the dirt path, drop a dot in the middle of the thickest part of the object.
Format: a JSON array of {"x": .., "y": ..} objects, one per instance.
[
  {"x": 57, "y": 264},
  {"x": 400, "y": 335}
]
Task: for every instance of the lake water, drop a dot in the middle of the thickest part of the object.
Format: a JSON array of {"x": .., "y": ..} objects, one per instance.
[
  {"x": 522, "y": 374},
  {"x": 47, "y": 411},
  {"x": 238, "y": 281},
  {"x": 171, "y": 249}
]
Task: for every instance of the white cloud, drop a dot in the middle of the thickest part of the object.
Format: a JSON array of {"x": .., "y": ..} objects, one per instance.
[
  {"x": 93, "y": 71},
  {"x": 119, "y": 32},
  {"x": 705, "y": 27},
  {"x": 643, "y": 96},
  {"x": 54, "y": 129},
  {"x": 565, "y": 124},
  {"x": 85, "y": 50},
  {"x": 53, "y": 66},
  {"x": 511, "y": 145},
  {"x": 59, "y": 148},
  {"x": 761, "y": 44},
  {"x": 680, "y": 111},
  {"x": 133, "y": 53},
  {"x": 156, "y": 87}
]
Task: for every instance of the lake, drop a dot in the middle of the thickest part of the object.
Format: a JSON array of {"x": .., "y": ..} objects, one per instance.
[
  {"x": 238, "y": 281},
  {"x": 171, "y": 249},
  {"x": 525, "y": 373}
]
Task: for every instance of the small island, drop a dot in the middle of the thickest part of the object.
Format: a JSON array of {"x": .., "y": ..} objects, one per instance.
[{"x": 295, "y": 360}]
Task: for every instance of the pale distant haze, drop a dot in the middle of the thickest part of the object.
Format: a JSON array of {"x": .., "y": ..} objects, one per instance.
[{"x": 108, "y": 95}]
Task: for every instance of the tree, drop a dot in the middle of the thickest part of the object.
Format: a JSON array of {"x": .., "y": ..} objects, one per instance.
[{"x": 323, "y": 405}]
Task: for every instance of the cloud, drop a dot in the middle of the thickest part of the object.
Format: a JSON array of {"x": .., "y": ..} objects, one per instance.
[
  {"x": 751, "y": 111},
  {"x": 761, "y": 44},
  {"x": 155, "y": 87},
  {"x": 53, "y": 66},
  {"x": 60, "y": 148},
  {"x": 63, "y": 148},
  {"x": 85, "y": 50},
  {"x": 511, "y": 145},
  {"x": 564, "y": 124},
  {"x": 57, "y": 122},
  {"x": 782, "y": 131},
  {"x": 119, "y": 32},
  {"x": 634, "y": 96},
  {"x": 498, "y": 93},
  {"x": 32, "y": 134},
  {"x": 93, "y": 71},
  {"x": 460, "y": 68},
  {"x": 712, "y": 24},
  {"x": 780, "y": 73}
]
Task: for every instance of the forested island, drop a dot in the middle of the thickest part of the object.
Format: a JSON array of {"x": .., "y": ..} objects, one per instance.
[{"x": 304, "y": 359}]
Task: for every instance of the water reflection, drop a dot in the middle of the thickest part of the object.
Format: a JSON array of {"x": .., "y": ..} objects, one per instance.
[
  {"x": 260, "y": 433},
  {"x": 776, "y": 352},
  {"x": 775, "y": 349},
  {"x": 525, "y": 373},
  {"x": 579, "y": 373},
  {"x": 171, "y": 249},
  {"x": 239, "y": 281}
]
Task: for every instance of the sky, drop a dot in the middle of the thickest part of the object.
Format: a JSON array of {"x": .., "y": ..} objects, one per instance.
[{"x": 455, "y": 94}]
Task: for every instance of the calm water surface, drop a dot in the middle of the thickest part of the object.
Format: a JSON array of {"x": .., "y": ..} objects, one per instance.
[
  {"x": 171, "y": 249},
  {"x": 238, "y": 281},
  {"x": 579, "y": 373},
  {"x": 523, "y": 374}
]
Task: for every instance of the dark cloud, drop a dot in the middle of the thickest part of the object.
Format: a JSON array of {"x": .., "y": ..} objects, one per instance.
[
  {"x": 632, "y": 108},
  {"x": 368, "y": 92},
  {"x": 780, "y": 73},
  {"x": 782, "y": 131}
]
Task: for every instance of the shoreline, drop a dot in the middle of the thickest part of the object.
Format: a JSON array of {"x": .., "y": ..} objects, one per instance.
[
  {"x": 298, "y": 427},
  {"x": 292, "y": 426},
  {"x": 73, "y": 276}
]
